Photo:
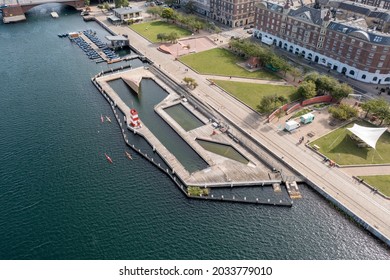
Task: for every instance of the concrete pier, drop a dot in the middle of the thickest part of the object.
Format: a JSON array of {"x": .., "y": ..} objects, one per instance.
[{"x": 222, "y": 172}]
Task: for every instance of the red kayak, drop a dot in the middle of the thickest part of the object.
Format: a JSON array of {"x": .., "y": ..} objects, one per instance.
[{"x": 108, "y": 158}]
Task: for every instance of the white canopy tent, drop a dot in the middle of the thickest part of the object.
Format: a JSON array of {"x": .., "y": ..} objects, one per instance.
[{"x": 369, "y": 135}]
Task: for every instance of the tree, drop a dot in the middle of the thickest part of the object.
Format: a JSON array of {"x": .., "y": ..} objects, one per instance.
[
  {"x": 190, "y": 7},
  {"x": 121, "y": 3},
  {"x": 154, "y": 11},
  {"x": 87, "y": 2},
  {"x": 167, "y": 13},
  {"x": 383, "y": 113},
  {"x": 269, "y": 104},
  {"x": 161, "y": 36},
  {"x": 170, "y": 3},
  {"x": 295, "y": 72},
  {"x": 172, "y": 37},
  {"x": 342, "y": 90},
  {"x": 307, "y": 89},
  {"x": 312, "y": 76},
  {"x": 190, "y": 82},
  {"x": 106, "y": 6},
  {"x": 374, "y": 105},
  {"x": 217, "y": 30},
  {"x": 343, "y": 112},
  {"x": 326, "y": 84}
]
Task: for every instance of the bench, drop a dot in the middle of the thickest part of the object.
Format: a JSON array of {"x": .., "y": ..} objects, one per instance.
[
  {"x": 311, "y": 134},
  {"x": 316, "y": 147}
]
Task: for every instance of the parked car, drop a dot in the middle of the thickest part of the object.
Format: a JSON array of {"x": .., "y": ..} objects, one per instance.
[{"x": 250, "y": 31}]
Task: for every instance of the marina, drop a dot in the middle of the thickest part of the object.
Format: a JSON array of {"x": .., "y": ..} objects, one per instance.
[{"x": 93, "y": 47}]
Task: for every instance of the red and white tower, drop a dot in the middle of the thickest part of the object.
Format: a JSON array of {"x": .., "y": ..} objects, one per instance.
[{"x": 134, "y": 120}]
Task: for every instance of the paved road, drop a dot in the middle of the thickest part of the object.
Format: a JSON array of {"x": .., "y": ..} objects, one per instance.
[{"x": 359, "y": 199}]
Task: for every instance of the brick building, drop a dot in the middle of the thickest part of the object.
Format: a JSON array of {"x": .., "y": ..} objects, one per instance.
[
  {"x": 346, "y": 46},
  {"x": 233, "y": 13},
  {"x": 384, "y": 4}
]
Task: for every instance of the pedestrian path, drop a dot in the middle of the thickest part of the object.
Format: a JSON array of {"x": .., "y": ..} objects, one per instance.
[
  {"x": 367, "y": 170},
  {"x": 245, "y": 80}
]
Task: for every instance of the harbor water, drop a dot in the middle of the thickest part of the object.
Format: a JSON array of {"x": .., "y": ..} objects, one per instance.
[{"x": 61, "y": 199}]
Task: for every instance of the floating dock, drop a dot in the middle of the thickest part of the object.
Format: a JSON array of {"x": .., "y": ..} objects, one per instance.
[{"x": 293, "y": 190}]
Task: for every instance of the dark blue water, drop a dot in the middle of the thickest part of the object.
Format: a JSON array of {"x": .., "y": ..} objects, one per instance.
[
  {"x": 60, "y": 199},
  {"x": 150, "y": 95}
]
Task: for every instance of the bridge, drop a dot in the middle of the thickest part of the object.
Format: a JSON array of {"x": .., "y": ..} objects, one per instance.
[{"x": 13, "y": 10}]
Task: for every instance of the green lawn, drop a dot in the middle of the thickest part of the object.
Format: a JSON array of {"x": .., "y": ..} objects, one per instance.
[
  {"x": 222, "y": 62},
  {"x": 381, "y": 182},
  {"x": 250, "y": 93},
  {"x": 339, "y": 147},
  {"x": 150, "y": 29}
]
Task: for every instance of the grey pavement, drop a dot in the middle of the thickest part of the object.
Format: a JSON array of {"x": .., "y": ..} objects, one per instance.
[
  {"x": 246, "y": 80},
  {"x": 360, "y": 200}
]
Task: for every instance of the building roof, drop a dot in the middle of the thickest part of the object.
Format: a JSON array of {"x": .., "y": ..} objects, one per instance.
[
  {"x": 113, "y": 18},
  {"x": 377, "y": 38},
  {"x": 366, "y": 10},
  {"x": 116, "y": 38},
  {"x": 309, "y": 14},
  {"x": 127, "y": 10}
]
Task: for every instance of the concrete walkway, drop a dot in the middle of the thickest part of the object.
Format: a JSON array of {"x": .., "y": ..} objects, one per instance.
[
  {"x": 367, "y": 170},
  {"x": 246, "y": 80},
  {"x": 371, "y": 208}
]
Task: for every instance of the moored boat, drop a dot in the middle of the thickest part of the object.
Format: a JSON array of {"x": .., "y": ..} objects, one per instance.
[
  {"x": 108, "y": 119},
  {"x": 101, "y": 118}
]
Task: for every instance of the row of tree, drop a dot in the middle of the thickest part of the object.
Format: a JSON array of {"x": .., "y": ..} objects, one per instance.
[
  {"x": 313, "y": 84},
  {"x": 343, "y": 112},
  {"x": 379, "y": 108},
  {"x": 266, "y": 56},
  {"x": 192, "y": 22},
  {"x": 317, "y": 84},
  {"x": 171, "y": 37}
]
